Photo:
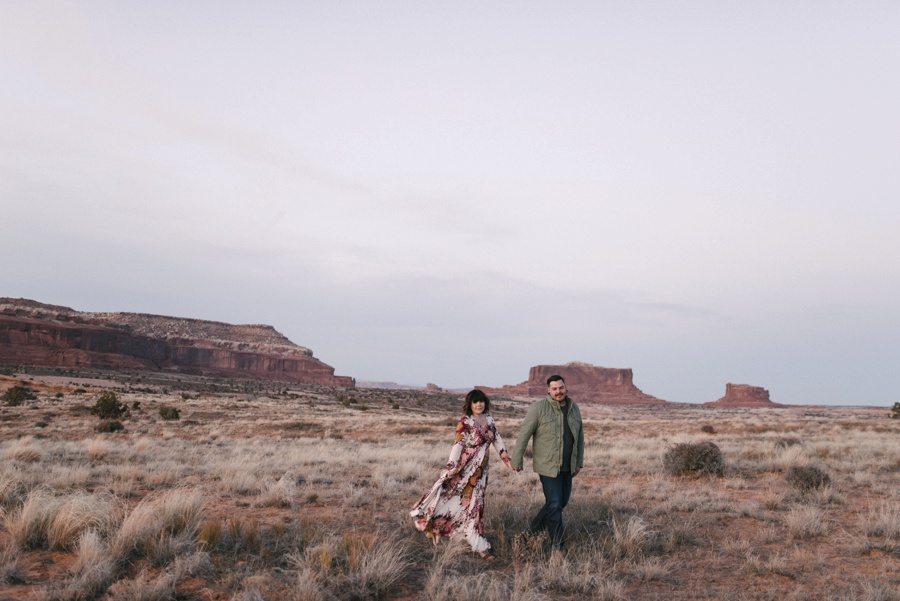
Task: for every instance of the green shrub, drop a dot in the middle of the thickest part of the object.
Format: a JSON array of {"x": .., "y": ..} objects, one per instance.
[
  {"x": 169, "y": 413},
  {"x": 108, "y": 406},
  {"x": 109, "y": 425},
  {"x": 806, "y": 478},
  {"x": 699, "y": 458},
  {"x": 895, "y": 411},
  {"x": 17, "y": 395},
  {"x": 708, "y": 429}
]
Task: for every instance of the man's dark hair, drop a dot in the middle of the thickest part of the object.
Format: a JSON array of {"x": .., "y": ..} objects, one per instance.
[
  {"x": 474, "y": 396},
  {"x": 554, "y": 378}
]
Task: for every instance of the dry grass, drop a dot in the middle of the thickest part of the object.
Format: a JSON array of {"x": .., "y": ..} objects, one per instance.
[{"x": 275, "y": 492}]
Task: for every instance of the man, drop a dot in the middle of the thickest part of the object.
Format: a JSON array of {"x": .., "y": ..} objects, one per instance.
[{"x": 558, "y": 454}]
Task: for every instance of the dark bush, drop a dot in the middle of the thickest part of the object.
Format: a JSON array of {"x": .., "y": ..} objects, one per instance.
[
  {"x": 169, "y": 413},
  {"x": 707, "y": 429},
  {"x": 698, "y": 458},
  {"x": 110, "y": 425},
  {"x": 895, "y": 411},
  {"x": 17, "y": 395},
  {"x": 108, "y": 406},
  {"x": 806, "y": 477}
]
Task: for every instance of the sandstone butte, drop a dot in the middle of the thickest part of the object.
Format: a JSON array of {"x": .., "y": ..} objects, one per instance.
[
  {"x": 586, "y": 384},
  {"x": 744, "y": 395},
  {"x": 38, "y": 334}
]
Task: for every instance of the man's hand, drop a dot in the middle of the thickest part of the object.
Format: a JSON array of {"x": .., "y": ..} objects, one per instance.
[{"x": 577, "y": 469}]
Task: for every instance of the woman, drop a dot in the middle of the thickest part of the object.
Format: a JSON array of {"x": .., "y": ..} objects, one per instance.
[{"x": 455, "y": 504}]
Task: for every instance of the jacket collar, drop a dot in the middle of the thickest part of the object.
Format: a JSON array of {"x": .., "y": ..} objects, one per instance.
[{"x": 556, "y": 404}]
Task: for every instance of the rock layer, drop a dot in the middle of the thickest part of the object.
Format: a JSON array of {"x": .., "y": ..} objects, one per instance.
[
  {"x": 744, "y": 395},
  {"x": 38, "y": 334},
  {"x": 586, "y": 384}
]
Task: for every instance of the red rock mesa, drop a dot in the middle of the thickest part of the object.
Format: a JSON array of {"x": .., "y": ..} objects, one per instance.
[
  {"x": 743, "y": 395},
  {"x": 37, "y": 334},
  {"x": 586, "y": 384}
]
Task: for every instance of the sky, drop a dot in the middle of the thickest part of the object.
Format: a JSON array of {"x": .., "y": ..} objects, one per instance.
[{"x": 453, "y": 192}]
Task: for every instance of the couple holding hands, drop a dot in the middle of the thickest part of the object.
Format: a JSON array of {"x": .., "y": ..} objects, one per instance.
[{"x": 454, "y": 506}]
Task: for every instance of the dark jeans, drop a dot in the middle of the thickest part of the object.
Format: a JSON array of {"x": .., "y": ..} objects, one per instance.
[{"x": 556, "y": 496}]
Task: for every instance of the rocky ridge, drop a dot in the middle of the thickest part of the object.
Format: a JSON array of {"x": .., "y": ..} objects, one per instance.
[{"x": 34, "y": 333}]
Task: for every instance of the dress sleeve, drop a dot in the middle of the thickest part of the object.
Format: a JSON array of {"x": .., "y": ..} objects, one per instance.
[
  {"x": 499, "y": 446},
  {"x": 462, "y": 434}
]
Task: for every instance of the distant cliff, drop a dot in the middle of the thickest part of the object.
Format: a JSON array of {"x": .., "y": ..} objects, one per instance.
[
  {"x": 586, "y": 383},
  {"x": 33, "y": 333},
  {"x": 744, "y": 395}
]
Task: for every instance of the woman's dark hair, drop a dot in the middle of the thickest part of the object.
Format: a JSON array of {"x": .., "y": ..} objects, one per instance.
[{"x": 474, "y": 396}]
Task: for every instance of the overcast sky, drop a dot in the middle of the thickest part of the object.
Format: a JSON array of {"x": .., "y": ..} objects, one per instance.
[{"x": 452, "y": 192}]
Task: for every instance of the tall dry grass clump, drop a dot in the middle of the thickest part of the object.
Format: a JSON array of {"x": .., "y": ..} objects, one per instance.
[
  {"x": 163, "y": 586},
  {"x": 630, "y": 537},
  {"x": 160, "y": 525},
  {"x": 93, "y": 571},
  {"x": 58, "y": 521},
  {"x": 12, "y": 490},
  {"x": 448, "y": 579},
  {"x": 882, "y": 519},
  {"x": 28, "y": 524},
  {"x": 279, "y": 493},
  {"x": 25, "y": 449},
  {"x": 806, "y": 521},
  {"x": 355, "y": 566},
  {"x": 9, "y": 564},
  {"x": 80, "y": 513}
]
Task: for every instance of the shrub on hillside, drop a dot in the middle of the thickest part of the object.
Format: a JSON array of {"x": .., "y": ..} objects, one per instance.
[
  {"x": 708, "y": 429},
  {"x": 17, "y": 395},
  {"x": 108, "y": 406},
  {"x": 806, "y": 478},
  {"x": 699, "y": 458},
  {"x": 169, "y": 413},
  {"x": 895, "y": 411}
]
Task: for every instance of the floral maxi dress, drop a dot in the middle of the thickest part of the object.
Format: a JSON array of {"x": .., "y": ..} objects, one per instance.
[{"x": 455, "y": 504}]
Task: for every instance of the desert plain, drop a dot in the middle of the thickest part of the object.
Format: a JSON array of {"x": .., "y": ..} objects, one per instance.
[{"x": 258, "y": 490}]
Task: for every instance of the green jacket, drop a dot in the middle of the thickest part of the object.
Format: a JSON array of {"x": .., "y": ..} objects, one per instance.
[{"x": 544, "y": 422}]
